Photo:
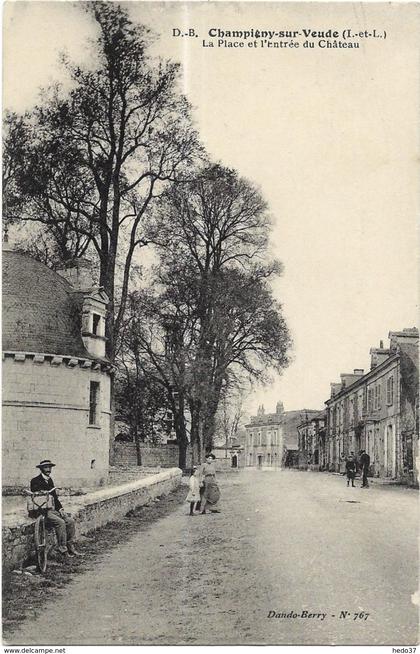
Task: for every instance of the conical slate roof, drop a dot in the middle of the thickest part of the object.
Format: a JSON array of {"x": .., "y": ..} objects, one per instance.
[{"x": 40, "y": 311}]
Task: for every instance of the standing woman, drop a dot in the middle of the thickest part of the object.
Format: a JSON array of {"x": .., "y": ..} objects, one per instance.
[{"x": 211, "y": 494}]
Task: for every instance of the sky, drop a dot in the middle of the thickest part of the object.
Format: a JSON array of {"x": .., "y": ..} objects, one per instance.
[{"x": 329, "y": 135}]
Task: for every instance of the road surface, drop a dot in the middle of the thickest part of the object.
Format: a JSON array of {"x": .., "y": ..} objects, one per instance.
[{"x": 298, "y": 546}]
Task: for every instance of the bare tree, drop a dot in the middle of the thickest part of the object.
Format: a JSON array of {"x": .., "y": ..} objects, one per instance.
[
  {"x": 218, "y": 226},
  {"x": 154, "y": 335},
  {"x": 92, "y": 162}
]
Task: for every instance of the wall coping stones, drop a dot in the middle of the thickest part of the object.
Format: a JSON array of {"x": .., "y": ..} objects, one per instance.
[
  {"x": 110, "y": 492},
  {"x": 17, "y": 516}
]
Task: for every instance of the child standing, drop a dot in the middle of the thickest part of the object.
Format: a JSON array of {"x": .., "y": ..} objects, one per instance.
[{"x": 194, "y": 494}]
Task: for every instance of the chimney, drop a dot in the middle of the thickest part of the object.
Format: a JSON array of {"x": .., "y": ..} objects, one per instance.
[
  {"x": 349, "y": 378},
  {"x": 78, "y": 272},
  {"x": 408, "y": 335},
  {"x": 381, "y": 345},
  {"x": 279, "y": 408},
  {"x": 378, "y": 356},
  {"x": 359, "y": 372}
]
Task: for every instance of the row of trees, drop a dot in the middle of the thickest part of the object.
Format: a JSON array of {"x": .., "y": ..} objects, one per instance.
[{"x": 115, "y": 164}]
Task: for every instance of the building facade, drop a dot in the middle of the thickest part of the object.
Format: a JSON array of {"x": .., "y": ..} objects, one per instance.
[
  {"x": 272, "y": 439},
  {"x": 311, "y": 442},
  {"x": 56, "y": 378},
  {"x": 378, "y": 411}
]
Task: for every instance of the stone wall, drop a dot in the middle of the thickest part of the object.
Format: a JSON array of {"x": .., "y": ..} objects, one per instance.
[
  {"x": 165, "y": 456},
  {"x": 91, "y": 511},
  {"x": 46, "y": 416}
]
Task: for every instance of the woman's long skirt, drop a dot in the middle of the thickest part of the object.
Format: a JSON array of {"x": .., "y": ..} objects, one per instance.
[{"x": 211, "y": 494}]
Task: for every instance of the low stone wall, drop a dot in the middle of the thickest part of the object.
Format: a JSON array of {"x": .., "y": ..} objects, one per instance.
[{"x": 91, "y": 511}]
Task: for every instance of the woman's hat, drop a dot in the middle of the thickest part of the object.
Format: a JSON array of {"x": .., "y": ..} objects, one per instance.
[
  {"x": 210, "y": 455},
  {"x": 45, "y": 463}
]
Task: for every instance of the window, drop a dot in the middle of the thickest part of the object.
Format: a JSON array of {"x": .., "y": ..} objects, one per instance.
[
  {"x": 390, "y": 390},
  {"x": 93, "y": 403},
  {"x": 95, "y": 323},
  {"x": 377, "y": 403},
  {"x": 370, "y": 400}
]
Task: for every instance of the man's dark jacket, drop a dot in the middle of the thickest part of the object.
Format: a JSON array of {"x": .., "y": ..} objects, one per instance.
[
  {"x": 365, "y": 460},
  {"x": 41, "y": 484}
]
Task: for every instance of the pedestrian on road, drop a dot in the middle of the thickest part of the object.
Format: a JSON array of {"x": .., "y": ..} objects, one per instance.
[
  {"x": 62, "y": 523},
  {"x": 351, "y": 469},
  {"x": 211, "y": 494},
  {"x": 193, "y": 496},
  {"x": 364, "y": 464}
]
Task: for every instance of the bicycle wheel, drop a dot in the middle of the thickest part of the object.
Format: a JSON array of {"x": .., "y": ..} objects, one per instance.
[{"x": 40, "y": 535}]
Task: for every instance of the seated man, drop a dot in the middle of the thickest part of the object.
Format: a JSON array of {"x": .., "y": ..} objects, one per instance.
[{"x": 63, "y": 524}]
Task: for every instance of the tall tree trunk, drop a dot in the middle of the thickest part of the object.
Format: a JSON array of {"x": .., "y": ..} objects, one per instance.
[
  {"x": 209, "y": 428},
  {"x": 182, "y": 454},
  {"x": 138, "y": 446},
  {"x": 181, "y": 432},
  {"x": 111, "y": 418},
  {"x": 195, "y": 431},
  {"x": 209, "y": 422}
]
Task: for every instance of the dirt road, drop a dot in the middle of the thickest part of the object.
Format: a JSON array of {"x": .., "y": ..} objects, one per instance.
[{"x": 294, "y": 544}]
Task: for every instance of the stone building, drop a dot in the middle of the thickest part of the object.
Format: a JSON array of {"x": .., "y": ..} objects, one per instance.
[
  {"x": 311, "y": 442},
  {"x": 378, "y": 411},
  {"x": 272, "y": 439},
  {"x": 56, "y": 378}
]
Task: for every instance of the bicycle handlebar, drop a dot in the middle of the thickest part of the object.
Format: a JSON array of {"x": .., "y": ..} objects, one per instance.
[{"x": 42, "y": 492}]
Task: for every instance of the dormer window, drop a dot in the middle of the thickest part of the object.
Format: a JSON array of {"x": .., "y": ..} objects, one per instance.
[{"x": 93, "y": 321}]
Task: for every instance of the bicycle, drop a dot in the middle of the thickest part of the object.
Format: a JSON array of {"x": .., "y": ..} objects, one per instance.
[{"x": 38, "y": 503}]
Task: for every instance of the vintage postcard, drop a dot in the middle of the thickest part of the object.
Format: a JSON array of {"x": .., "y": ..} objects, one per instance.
[{"x": 210, "y": 407}]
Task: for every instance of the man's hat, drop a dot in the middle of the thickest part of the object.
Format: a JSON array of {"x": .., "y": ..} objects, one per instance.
[{"x": 45, "y": 463}]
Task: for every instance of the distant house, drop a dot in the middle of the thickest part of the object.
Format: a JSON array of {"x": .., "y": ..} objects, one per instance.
[
  {"x": 56, "y": 378},
  {"x": 272, "y": 439}
]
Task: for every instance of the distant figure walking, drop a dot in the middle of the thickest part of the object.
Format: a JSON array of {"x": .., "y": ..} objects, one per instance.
[
  {"x": 193, "y": 496},
  {"x": 364, "y": 464},
  {"x": 351, "y": 469},
  {"x": 211, "y": 494}
]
